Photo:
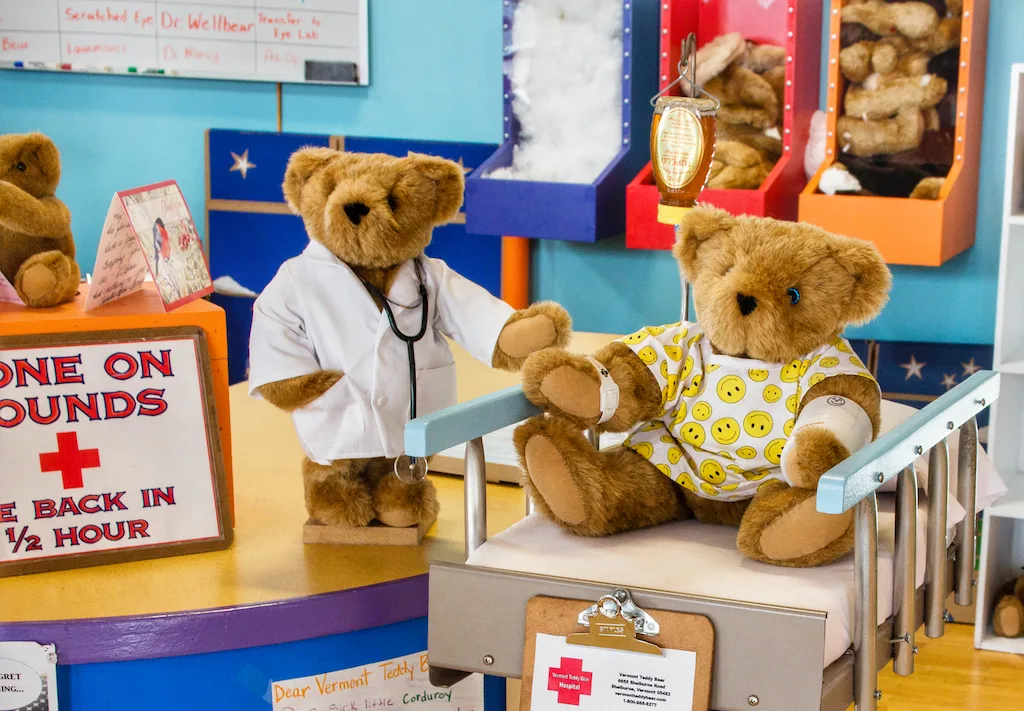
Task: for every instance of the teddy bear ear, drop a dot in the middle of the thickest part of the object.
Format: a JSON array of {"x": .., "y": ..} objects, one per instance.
[
  {"x": 301, "y": 167},
  {"x": 450, "y": 180},
  {"x": 872, "y": 278},
  {"x": 700, "y": 225}
]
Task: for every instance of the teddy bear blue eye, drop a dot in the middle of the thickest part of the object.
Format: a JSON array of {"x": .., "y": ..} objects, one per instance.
[
  {"x": 21, "y": 166},
  {"x": 794, "y": 295},
  {"x": 392, "y": 203}
]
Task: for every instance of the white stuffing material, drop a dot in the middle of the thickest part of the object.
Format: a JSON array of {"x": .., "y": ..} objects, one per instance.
[
  {"x": 814, "y": 153},
  {"x": 871, "y": 83},
  {"x": 835, "y": 180},
  {"x": 567, "y": 89},
  {"x": 926, "y": 79}
]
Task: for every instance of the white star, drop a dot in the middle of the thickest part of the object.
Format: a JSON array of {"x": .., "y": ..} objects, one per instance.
[
  {"x": 242, "y": 164},
  {"x": 970, "y": 367},
  {"x": 949, "y": 380},
  {"x": 465, "y": 170},
  {"x": 913, "y": 368}
]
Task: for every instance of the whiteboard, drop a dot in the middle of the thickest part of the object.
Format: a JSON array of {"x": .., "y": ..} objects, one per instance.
[{"x": 307, "y": 41}]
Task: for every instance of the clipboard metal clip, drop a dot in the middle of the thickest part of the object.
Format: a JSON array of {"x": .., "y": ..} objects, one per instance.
[{"x": 614, "y": 622}]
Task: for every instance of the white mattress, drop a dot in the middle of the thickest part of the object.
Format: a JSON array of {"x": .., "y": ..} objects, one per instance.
[{"x": 697, "y": 559}]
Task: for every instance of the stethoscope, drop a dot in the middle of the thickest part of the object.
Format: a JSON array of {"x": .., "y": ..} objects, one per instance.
[{"x": 410, "y": 470}]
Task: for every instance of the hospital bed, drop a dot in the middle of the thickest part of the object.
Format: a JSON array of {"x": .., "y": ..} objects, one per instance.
[{"x": 785, "y": 639}]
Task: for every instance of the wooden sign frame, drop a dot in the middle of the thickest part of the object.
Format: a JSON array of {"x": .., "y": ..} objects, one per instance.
[
  {"x": 214, "y": 448},
  {"x": 679, "y": 630}
]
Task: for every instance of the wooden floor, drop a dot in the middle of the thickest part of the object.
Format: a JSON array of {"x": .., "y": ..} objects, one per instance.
[{"x": 950, "y": 676}]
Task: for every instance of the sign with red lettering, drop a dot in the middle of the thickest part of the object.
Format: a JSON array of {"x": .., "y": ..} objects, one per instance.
[
  {"x": 110, "y": 450},
  {"x": 313, "y": 41}
]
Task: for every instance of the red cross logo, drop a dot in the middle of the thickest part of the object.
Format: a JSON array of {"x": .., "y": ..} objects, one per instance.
[
  {"x": 570, "y": 681},
  {"x": 69, "y": 460}
]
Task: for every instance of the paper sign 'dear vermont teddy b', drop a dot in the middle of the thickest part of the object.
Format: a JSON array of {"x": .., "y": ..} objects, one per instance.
[
  {"x": 37, "y": 252},
  {"x": 732, "y": 419},
  {"x": 323, "y": 344}
]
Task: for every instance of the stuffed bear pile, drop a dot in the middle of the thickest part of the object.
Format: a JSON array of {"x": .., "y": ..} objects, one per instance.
[{"x": 895, "y": 133}]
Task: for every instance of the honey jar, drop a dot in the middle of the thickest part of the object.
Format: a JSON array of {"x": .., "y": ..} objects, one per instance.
[{"x": 682, "y": 146}]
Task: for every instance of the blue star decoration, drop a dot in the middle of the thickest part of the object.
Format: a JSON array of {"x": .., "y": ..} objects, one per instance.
[{"x": 242, "y": 163}]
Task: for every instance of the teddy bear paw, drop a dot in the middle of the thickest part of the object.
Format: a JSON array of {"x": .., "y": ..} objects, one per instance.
[
  {"x": 542, "y": 325},
  {"x": 563, "y": 384},
  {"x": 401, "y": 505},
  {"x": 355, "y": 511},
  {"x": 47, "y": 279},
  {"x": 813, "y": 451}
]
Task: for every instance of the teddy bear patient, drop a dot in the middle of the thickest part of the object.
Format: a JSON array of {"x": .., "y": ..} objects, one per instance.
[
  {"x": 325, "y": 346},
  {"x": 37, "y": 251},
  {"x": 732, "y": 419}
]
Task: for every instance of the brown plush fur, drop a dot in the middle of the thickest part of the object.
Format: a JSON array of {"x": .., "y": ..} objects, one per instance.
[
  {"x": 37, "y": 251},
  {"x": 928, "y": 189},
  {"x": 842, "y": 281},
  {"x": 737, "y": 166},
  {"x": 862, "y": 137},
  {"x": 894, "y": 94},
  {"x": 768, "y": 147},
  {"x": 403, "y": 200},
  {"x": 747, "y": 98},
  {"x": 910, "y": 19},
  {"x": 1008, "y": 617},
  {"x": 713, "y": 58}
]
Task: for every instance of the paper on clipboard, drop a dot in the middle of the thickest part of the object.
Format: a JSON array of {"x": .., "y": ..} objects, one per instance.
[{"x": 567, "y": 676}]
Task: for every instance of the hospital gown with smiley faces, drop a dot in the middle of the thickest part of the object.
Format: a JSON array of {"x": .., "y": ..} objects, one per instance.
[{"x": 725, "y": 420}]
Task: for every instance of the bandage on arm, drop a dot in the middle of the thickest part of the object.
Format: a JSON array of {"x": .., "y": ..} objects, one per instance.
[
  {"x": 841, "y": 416},
  {"x": 609, "y": 391}
]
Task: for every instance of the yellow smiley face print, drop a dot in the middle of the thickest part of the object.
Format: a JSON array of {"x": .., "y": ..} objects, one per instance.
[
  {"x": 655, "y": 330},
  {"x": 692, "y": 434},
  {"x": 634, "y": 338},
  {"x": 685, "y": 481},
  {"x": 693, "y": 340},
  {"x": 668, "y": 439},
  {"x": 757, "y": 423},
  {"x": 842, "y": 346},
  {"x": 815, "y": 359},
  {"x": 644, "y": 449},
  {"x": 804, "y": 366},
  {"x": 725, "y": 455},
  {"x": 773, "y": 452},
  {"x": 730, "y": 487},
  {"x": 787, "y": 429},
  {"x": 712, "y": 472},
  {"x": 731, "y": 389},
  {"x": 674, "y": 455},
  {"x": 701, "y": 411},
  {"x": 674, "y": 352},
  {"x": 680, "y": 336},
  {"x": 664, "y": 368},
  {"x": 758, "y": 375},
  {"x": 711, "y": 368},
  {"x": 708, "y": 489},
  {"x": 816, "y": 378},
  {"x": 650, "y": 426},
  {"x": 680, "y": 414},
  {"x": 772, "y": 393},
  {"x": 725, "y": 430},
  {"x": 856, "y": 362},
  {"x": 693, "y": 389},
  {"x": 668, "y": 393},
  {"x": 746, "y": 452},
  {"x": 687, "y": 367},
  {"x": 756, "y": 475},
  {"x": 663, "y": 468},
  {"x": 829, "y": 362},
  {"x": 791, "y": 403},
  {"x": 791, "y": 372},
  {"x": 648, "y": 355}
]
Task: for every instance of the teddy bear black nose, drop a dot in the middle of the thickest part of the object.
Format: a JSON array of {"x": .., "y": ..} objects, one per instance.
[
  {"x": 356, "y": 211},
  {"x": 747, "y": 303}
]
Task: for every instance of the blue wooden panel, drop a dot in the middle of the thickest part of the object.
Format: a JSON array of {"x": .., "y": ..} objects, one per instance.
[
  {"x": 238, "y": 680},
  {"x": 476, "y": 257},
  {"x": 471, "y": 155},
  {"x": 269, "y": 152}
]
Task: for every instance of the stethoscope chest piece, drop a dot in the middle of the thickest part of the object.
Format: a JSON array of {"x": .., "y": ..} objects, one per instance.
[{"x": 410, "y": 470}]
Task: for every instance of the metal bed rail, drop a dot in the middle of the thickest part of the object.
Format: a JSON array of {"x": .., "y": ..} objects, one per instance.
[{"x": 850, "y": 485}]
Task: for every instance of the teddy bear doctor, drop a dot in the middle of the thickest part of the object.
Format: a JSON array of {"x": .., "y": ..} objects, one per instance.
[{"x": 338, "y": 332}]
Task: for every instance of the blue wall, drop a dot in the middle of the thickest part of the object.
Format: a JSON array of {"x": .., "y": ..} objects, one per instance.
[{"x": 435, "y": 73}]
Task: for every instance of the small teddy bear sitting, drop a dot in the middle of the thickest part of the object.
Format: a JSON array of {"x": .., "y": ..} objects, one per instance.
[
  {"x": 37, "y": 251},
  {"x": 1008, "y": 617},
  {"x": 732, "y": 419},
  {"x": 325, "y": 341}
]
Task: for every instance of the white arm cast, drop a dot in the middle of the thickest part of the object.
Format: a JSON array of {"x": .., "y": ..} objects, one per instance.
[{"x": 839, "y": 415}]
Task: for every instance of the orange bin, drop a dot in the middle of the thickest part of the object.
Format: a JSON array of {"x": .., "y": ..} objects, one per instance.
[
  {"x": 140, "y": 310},
  {"x": 918, "y": 232},
  {"x": 793, "y": 24}
]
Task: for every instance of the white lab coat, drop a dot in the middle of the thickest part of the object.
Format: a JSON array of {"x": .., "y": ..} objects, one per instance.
[{"x": 317, "y": 315}]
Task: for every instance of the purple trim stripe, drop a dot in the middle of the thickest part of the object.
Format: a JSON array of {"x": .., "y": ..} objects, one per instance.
[{"x": 118, "y": 639}]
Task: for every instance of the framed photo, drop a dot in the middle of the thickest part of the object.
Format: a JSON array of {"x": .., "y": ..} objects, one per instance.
[{"x": 111, "y": 449}]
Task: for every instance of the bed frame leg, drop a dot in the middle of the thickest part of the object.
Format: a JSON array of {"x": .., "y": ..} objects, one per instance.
[
  {"x": 935, "y": 577},
  {"x": 967, "y": 491},
  {"x": 865, "y": 665},
  {"x": 905, "y": 573},
  {"x": 475, "y": 475}
]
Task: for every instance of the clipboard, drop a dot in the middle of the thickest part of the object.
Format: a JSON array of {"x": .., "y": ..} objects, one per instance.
[{"x": 616, "y": 624}]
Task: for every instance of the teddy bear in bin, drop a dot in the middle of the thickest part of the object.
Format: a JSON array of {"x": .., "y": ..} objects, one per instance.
[
  {"x": 37, "y": 251},
  {"x": 733, "y": 418},
  {"x": 330, "y": 333}
]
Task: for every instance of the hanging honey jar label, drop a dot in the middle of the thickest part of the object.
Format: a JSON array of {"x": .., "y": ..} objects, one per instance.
[{"x": 679, "y": 146}]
